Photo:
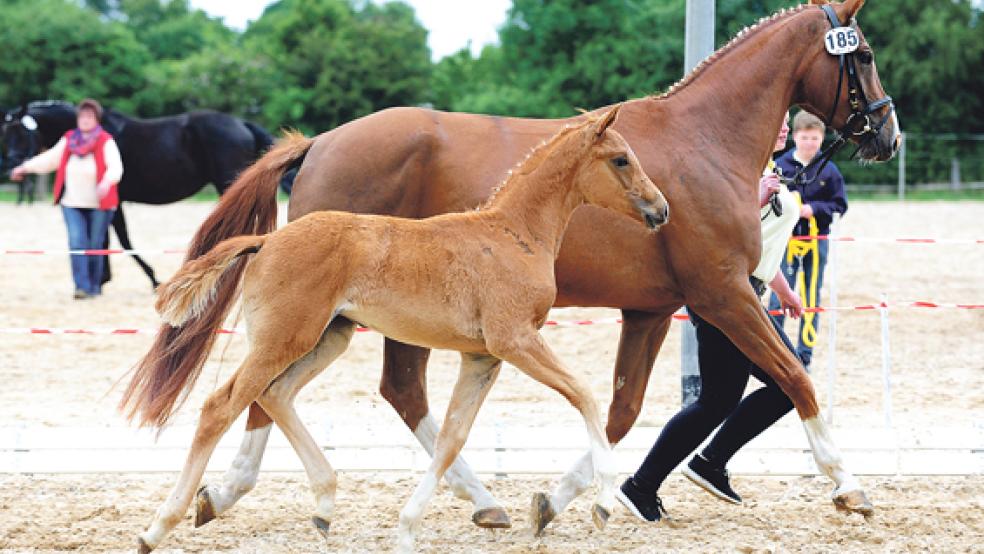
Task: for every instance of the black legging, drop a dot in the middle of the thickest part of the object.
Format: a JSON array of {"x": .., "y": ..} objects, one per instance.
[{"x": 724, "y": 372}]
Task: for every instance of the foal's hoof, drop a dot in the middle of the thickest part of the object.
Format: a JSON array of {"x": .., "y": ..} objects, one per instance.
[
  {"x": 600, "y": 516},
  {"x": 204, "y": 509},
  {"x": 856, "y": 502},
  {"x": 321, "y": 525},
  {"x": 492, "y": 518},
  {"x": 541, "y": 513},
  {"x": 143, "y": 547}
]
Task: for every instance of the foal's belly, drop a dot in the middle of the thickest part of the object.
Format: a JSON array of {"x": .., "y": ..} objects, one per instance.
[{"x": 421, "y": 326}]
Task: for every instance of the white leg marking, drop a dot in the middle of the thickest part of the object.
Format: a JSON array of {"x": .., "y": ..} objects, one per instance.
[
  {"x": 463, "y": 482},
  {"x": 241, "y": 476},
  {"x": 573, "y": 483},
  {"x": 827, "y": 456}
]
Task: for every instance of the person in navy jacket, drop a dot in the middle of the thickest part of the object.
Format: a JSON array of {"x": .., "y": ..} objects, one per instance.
[{"x": 822, "y": 194}]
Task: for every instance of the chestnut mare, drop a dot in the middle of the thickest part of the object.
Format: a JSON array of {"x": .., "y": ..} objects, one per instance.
[
  {"x": 480, "y": 283},
  {"x": 705, "y": 141}
]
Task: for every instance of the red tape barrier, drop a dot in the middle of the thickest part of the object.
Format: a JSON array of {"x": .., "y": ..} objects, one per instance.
[{"x": 679, "y": 316}]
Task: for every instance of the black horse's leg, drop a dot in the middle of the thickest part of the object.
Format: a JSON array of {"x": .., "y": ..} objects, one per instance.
[{"x": 119, "y": 225}]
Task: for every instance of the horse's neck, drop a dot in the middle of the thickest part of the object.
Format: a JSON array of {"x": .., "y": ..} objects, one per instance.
[
  {"x": 738, "y": 101},
  {"x": 54, "y": 123},
  {"x": 542, "y": 200}
]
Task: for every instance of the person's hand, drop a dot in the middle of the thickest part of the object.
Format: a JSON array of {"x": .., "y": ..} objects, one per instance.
[
  {"x": 806, "y": 211},
  {"x": 792, "y": 306},
  {"x": 18, "y": 173},
  {"x": 102, "y": 189},
  {"x": 768, "y": 185}
]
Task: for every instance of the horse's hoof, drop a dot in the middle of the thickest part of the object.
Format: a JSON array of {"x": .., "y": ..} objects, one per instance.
[
  {"x": 321, "y": 525},
  {"x": 492, "y": 518},
  {"x": 600, "y": 516},
  {"x": 541, "y": 513},
  {"x": 143, "y": 547},
  {"x": 204, "y": 509},
  {"x": 856, "y": 502}
]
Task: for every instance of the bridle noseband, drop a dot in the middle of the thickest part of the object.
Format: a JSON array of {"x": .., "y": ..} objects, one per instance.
[{"x": 858, "y": 124}]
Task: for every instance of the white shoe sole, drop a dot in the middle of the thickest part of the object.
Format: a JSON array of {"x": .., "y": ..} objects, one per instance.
[
  {"x": 629, "y": 505},
  {"x": 704, "y": 484}
]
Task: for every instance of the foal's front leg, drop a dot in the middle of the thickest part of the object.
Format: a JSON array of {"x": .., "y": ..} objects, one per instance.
[
  {"x": 642, "y": 336},
  {"x": 477, "y": 375},
  {"x": 404, "y": 386}
]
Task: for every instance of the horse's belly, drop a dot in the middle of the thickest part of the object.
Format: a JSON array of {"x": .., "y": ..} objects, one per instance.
[{"x": 420, "y": 326}]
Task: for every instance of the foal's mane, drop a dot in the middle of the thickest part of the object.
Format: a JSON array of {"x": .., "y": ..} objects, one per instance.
[
  {"x": 763, "y": 23},
  {"x": 534, "y": 158}
]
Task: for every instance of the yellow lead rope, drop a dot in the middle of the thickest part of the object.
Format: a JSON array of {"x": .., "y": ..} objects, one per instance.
[{"x": 799, "y": 248}]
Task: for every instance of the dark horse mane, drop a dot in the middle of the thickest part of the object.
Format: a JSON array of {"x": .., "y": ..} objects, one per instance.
[{"x": 165, "y": 159}]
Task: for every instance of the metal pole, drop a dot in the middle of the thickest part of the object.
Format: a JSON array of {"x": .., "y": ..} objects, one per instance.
[
  {"x": 902, "y": 168},
  {"x": 830, "y": 281},
  {"x": 886, "y": 364},
  {"x": 699, "y": 44}
]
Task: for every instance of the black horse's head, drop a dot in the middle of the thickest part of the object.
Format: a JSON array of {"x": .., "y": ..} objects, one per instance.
[{"x": 19, "y": 138}]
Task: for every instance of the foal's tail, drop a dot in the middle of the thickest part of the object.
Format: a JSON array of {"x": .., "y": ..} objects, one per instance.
[
  {"x": 163, "y": 378},
  {"x": 249, "y": 207}
]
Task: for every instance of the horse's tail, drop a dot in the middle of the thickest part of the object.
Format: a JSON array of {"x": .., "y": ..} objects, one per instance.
[
  {"x": 261, "y": 137},
  {"x": 165, "y": 375},
  {"x": 249, "y": 207}
]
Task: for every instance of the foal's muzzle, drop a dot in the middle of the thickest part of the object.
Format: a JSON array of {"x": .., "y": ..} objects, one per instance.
[{"x": 655, "y": 215}]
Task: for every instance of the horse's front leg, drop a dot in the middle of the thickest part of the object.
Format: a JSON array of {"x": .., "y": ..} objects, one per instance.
[
  {"x": 740, "y": 316},
  {"x": 642, "y": 337},
  {"x": 404, "y": 386}
]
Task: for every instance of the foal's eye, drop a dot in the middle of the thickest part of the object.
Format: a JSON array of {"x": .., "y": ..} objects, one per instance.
[
  {"x": 620, "y": 161},
  {"x": 865, "y": 57}
]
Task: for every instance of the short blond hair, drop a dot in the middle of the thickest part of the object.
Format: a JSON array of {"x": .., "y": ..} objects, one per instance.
[{"x": 805, "y": 120}]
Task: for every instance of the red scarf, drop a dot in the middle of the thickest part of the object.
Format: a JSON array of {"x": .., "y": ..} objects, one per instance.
[{"x": 81, "y": 143}]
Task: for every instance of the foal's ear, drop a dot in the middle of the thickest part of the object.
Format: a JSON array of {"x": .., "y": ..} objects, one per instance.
[{"x": 606, "y": 121}]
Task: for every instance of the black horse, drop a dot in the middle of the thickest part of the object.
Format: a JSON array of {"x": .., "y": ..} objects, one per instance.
[{"x": 164, "y": 159}]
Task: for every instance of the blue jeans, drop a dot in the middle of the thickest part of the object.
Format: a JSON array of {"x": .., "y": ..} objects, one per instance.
[
  {"x": 790, "y": 270},
  {"x": 86, "y": 229}
]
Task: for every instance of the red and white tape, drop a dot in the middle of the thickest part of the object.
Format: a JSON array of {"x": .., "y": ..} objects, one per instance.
[
  {"x": 679, "y": 316},
  {"x": 144, "y": 252}
]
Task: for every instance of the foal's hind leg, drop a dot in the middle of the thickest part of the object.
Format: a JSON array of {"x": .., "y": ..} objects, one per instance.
[
  {"x": 404, "y": 386},
  {"x": 218, "y": 412},
  {"x": 240, "y": 478},
  {"x": 476, "y": 377},
  {"x": 532, "y": 355},
  {"x": 640, "y": 341}
]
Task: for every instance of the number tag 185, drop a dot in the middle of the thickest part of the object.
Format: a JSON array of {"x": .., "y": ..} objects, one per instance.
[{"x": 841, "y": 40}]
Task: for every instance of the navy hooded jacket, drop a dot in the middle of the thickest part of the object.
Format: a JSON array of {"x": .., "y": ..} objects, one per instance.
[{"x": 824, "y": 192}]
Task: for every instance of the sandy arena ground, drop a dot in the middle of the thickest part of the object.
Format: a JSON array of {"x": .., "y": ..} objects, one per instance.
[{"x": 67, "y": 381}]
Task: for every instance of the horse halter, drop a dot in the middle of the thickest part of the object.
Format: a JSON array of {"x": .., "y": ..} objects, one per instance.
[{"x": 858, "y": 124}]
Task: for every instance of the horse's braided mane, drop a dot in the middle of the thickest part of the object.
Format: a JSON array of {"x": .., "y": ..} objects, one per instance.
[
  {"x": 532, "y": 158},
  {"x": 49, "y": 104},
  {"x": 742, "y": 35}
]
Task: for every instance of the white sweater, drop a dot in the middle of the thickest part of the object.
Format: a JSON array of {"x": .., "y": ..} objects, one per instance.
[
  {"x": 80, "y": 174},
  {"x": 775, "y": 233}
]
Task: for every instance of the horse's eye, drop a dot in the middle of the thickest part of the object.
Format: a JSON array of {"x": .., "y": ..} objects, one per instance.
[
  {"x": 620, "y": 161},
  {"x": 865, "y": 57}
]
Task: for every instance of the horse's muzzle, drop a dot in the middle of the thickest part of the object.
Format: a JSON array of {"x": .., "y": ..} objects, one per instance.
[{"x": 656, "y": 216}]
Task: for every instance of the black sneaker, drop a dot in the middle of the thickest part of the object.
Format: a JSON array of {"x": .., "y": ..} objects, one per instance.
[
  {"x": 714, "y": 480},
  {"x": 644, "y": 506}
]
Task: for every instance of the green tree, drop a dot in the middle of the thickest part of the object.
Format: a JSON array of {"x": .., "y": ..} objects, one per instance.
[
  {"x": 57, "y": 49},
  {"x": 170, "y": 29}
]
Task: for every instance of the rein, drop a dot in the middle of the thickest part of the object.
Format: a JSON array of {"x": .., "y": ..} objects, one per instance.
[{"x": 858, "y": 124}]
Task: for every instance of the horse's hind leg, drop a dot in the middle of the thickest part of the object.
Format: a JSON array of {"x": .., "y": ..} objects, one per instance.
[
  {"x": 477, "y": 375},
  {"x": 278, "y": 401},
  {"x": 218, "y": 413},
  {"x": 642, "y": 336},
  {"x": 213, "y": 500},
  {"x": 404, "y": 386}
]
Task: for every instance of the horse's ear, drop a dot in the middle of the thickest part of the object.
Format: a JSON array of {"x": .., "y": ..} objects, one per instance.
[
  {"x": 605, "y": 122},
  {"x": 850, "y": 9}
]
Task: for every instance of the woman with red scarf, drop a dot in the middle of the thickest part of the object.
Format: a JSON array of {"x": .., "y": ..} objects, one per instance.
[{"x": 89, "y": 167}]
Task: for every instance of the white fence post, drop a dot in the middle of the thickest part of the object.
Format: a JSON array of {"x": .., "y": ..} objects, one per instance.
[
  {"x": 886, "y": 363},
  {"x": 830, "y": 281}
]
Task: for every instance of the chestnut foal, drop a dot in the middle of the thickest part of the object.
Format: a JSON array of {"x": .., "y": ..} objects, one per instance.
[{"x": 480, "y": 283}]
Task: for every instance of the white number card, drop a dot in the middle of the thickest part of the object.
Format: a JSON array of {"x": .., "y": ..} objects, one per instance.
[{"x": 841, "y": 40}]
